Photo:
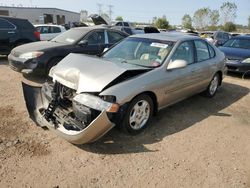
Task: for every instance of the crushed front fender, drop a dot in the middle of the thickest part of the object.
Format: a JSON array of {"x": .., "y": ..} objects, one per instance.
[{"x": 35, "y": 101}]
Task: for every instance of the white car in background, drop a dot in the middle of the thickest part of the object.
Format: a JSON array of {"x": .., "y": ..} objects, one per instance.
[{"x": 48, "y": 31}]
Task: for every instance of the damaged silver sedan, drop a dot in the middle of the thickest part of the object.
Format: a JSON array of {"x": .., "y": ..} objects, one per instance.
[{"x": 125, "y": 87}]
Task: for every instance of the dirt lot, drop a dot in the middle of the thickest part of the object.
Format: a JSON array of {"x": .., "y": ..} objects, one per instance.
[{"x": 199, "y": 142}]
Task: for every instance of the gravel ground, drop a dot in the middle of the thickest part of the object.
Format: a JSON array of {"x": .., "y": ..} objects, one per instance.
[{"x": 198, "y": 142}]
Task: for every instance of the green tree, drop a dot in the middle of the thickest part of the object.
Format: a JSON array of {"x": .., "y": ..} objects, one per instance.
[
  {"x": 229, "y": 27},
  {"x": 201, "y": 18},
  {"x": 228, "y": 12},
  {"x": 214, "y": 17},
  {"x": 119, "y": 18},
  {"x": 187, "y": 21},
  {"x": 162, "y": 23}
]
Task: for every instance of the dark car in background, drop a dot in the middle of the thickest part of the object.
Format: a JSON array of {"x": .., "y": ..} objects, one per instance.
[
  {"x": 38, "y": 58},
  {"x": 237, "y": 51},
  {"x": 218, "y": 38},
  {"x": 15, "y": 32}
]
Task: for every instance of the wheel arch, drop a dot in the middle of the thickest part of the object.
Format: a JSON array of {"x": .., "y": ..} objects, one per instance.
[
  {"x": 153, "y": 96},
  {"x": 221, "y": 76}
]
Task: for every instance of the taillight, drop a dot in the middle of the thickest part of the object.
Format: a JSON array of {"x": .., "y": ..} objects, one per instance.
[{"x": 37, "y": 35}]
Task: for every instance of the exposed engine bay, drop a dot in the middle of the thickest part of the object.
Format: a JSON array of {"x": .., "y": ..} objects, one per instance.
[{"x": 62, "y": 109}]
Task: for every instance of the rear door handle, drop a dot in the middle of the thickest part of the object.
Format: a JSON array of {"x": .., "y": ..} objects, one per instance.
[{"x": 11, "y": 32}]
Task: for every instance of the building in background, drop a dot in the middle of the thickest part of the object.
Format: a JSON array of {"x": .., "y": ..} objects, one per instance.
[{"x": 41, "y": 15}]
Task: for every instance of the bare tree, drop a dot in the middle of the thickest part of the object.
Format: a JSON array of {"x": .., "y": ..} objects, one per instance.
[
  {"x": 228, "y": 12},
  {"x": 214, "y": 17}
]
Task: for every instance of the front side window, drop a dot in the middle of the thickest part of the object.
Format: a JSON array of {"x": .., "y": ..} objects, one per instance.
[
  {"x": 201, "y": 50},
  {"x": 6, "y": 25},
  {"x": 96, "y": 37},
  {"x": 185, "y": 51},
  {"x": 140, "y": 52}
]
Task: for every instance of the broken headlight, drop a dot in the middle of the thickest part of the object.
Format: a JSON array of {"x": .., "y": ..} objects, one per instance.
[{"x": 96, "y": 103}]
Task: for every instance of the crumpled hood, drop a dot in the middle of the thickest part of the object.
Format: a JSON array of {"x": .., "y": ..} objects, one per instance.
[{"x": 88, "y": 74}]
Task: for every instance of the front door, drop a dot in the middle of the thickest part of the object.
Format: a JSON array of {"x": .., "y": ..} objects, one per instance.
[{"x": 7, "y": 31}]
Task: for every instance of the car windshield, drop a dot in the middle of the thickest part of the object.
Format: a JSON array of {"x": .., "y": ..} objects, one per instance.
[
  {"x": 238, "y": 43},
  {"x": 70, "y": 37},
  {"x": 140, "y": 51}
]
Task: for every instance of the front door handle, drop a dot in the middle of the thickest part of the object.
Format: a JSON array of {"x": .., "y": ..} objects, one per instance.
[{"x": 11, "y": 32}]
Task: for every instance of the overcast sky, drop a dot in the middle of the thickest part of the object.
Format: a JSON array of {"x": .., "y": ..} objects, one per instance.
[{"x": 140, "y": 10}]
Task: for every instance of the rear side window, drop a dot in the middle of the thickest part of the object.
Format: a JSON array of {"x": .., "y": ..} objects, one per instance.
[
  {"x": 184, "y": 52},
  {"x": 4, "y": 24},
  {"x": 55, "y": 30},
  {"x": 43, "y": 29},
  {"x": 211, "y": 51},
  {"x": 96, "y": 37},
  {"x": 119, "y": 24},
  {"x": 225, "y": 36},
  {"x": 126, "y": 24},
  {"x": 201, "y": 50},
  {"x": 114, "y": 37}
]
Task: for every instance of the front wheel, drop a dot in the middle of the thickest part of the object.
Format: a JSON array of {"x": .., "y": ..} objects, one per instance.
[
  {"x": 213, "y": 86},
  {"x": 138, "y": 115}
]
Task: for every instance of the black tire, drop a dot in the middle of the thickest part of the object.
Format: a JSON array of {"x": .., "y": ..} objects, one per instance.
[
  {"x": 51, "y": 64},
  {"x": 213, "y": 86},
  {"x": 144, "y": 116}
]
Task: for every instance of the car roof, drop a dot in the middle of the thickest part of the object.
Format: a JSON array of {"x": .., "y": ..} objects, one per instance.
[
  {"x": 242, "y": 37},
  {"x": 96, "y": 27},
  {"x": 12, "y": 18},
  {"x": 37, "y": 25},
  {"x": 168, "y": 36}
]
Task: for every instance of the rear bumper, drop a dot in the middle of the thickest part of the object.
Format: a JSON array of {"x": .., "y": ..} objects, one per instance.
[{"x": 35, "y": 101}]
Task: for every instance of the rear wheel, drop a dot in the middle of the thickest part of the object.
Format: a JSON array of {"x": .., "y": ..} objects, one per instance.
[
  {"x": 138, "y": 115},
  {"x": 213, "y": 86}
]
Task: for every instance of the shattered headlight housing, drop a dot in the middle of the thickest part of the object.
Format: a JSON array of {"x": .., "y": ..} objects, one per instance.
[
  {"x": 96, "y": 103},
  {"x": 246, "y": 60}
]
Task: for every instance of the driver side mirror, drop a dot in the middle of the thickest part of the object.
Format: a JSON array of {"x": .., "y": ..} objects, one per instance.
[
  {"x": 177, "y": 64},
  {"x": 83, "y": 43}
]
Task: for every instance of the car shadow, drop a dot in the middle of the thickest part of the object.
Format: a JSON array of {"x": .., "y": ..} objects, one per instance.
[
  {"x": 3, "y": 60},
  {"x": 169, "y": 121},
  {"x": 239, "y": 75}
]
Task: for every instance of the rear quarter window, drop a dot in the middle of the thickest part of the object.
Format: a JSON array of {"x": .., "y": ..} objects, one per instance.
[
  {"x": 201, "y": 50},
  {"x": 211, "y": 51},
  {"x": 4, "y": 24},
  {"x": 55, "y": 30}
]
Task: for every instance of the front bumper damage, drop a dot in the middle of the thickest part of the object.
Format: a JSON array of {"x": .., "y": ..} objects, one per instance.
[{"x": 36, "y": 102}]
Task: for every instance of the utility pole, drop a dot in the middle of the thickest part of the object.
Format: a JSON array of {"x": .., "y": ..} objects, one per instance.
[
  {"x": 99, "y": 8},
  {"x": 110, "y": 12}
]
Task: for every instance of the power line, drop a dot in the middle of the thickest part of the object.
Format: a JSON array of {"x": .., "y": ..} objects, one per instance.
[
  {"x": 100, "y": 8},
  {"x": 110, "y": 11}
]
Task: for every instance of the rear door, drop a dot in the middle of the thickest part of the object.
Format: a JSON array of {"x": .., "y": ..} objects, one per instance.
[{"x": 7, "y": 32}]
